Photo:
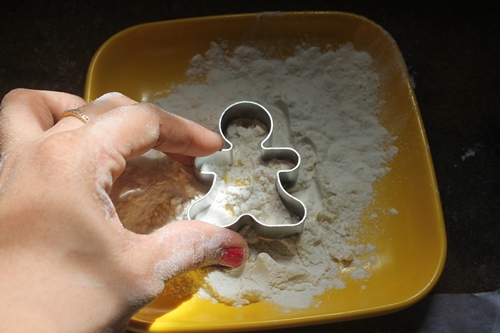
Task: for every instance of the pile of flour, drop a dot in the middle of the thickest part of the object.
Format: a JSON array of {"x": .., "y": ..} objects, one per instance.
[
  {"x": 247, "y": 186},
  {"x": 324, "y": 104}
]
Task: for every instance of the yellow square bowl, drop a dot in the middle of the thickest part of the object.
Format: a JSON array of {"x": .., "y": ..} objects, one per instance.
[{"x": 142, "y": 60}]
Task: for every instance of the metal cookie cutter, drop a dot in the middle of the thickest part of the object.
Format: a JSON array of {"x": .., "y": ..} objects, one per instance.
[{"x": 252, "y": 110}]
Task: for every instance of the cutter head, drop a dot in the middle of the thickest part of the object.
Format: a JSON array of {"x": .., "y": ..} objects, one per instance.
[{"x": 252, "y": 110}]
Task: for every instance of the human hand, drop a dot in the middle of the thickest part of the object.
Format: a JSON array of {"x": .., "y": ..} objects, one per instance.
[{"x": 67, "y": 263}]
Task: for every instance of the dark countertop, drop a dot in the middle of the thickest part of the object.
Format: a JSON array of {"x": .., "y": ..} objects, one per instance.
[{"x": 453, "y": 55}]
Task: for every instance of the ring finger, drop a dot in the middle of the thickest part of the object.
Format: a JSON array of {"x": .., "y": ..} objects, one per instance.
[
  {"x": 75, "y": 118},
  {"x": 26, "y": 114}
]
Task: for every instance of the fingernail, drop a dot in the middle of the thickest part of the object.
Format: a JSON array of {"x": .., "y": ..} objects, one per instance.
[
  {"x": 233, "y": 257},
  {"x": 107, "y": 96}
]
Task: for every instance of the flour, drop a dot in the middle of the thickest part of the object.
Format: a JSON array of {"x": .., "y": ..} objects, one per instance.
[
  {"x": 247, "y": 186},
  {"x": 324, "y": 104}
]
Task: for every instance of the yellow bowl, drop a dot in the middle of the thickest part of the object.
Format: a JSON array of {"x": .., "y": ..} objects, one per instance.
[{"x": 141, "y": 61}]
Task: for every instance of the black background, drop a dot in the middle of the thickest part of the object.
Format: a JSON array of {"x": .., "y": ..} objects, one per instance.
[{"x": 452, "y": 53}]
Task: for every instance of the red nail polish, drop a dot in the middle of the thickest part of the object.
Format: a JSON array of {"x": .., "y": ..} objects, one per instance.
[{"x": 232, "y": 257}]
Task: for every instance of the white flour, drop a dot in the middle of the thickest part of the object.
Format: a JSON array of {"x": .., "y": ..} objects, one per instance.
[
  {"x": 248, "y": 185},
  {"x": 324, "y": 104}
]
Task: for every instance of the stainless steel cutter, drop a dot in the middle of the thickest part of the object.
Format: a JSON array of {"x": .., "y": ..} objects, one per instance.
[{"x": 252, "y": 110}]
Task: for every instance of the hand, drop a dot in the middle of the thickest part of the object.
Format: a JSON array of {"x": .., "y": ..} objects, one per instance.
[{"x": 67, "y": 263}]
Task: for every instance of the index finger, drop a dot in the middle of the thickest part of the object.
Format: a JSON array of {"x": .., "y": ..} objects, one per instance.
[{"x": 133, "y": 129}]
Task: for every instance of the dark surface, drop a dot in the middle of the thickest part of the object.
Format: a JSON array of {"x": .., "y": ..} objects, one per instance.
[{"x": 453, "y": 55}]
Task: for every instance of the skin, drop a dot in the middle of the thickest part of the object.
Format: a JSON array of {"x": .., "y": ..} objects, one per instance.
[{"x": 67, "y": 263}]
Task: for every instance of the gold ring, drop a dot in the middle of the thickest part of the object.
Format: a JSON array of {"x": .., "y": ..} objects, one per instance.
[{"x": 75, "y": 113}]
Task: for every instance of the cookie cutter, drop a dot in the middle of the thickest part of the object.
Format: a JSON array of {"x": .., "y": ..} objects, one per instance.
[{"x": 252, "y": 110}]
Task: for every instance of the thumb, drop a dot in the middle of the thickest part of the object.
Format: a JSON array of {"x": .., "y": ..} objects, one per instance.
[{"x": 186, "y": 245}]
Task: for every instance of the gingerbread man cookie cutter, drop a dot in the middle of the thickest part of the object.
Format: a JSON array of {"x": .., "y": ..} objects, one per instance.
[{"x": 252, "y": 110}]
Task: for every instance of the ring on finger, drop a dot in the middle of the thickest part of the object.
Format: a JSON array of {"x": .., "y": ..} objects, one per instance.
[{"x": 75, "y": 113}]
